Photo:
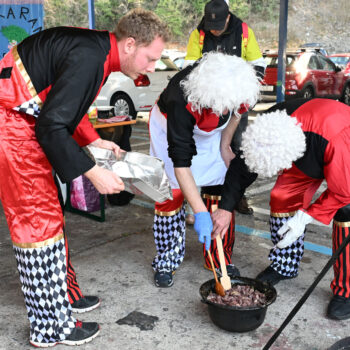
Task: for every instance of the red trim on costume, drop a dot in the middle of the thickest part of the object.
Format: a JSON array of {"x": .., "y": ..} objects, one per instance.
[
  {"x": 13, "y": 91},
  {"x": 171, "y": 204},
  {"x": 43, "y": 94},
  {"x": 206, "y": 120},
  {"x": 85, "y": 133},
  {"x": 113, "y": 57}
]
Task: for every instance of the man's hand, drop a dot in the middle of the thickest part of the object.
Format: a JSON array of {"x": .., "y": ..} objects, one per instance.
[
  {"x": 293, "y": 228},
  {"x": 105, "y": 181},
  {"x": 108, "y": 145},
  {"x": 203, "y": 226},
  {"x": 221, "y": 221}
]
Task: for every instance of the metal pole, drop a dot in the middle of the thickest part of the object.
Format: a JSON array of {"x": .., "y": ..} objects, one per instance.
[
  {"x": 91, "y": 14},
  {"x": 302, "y": 300},
  {"x": 282, "y": 44}
]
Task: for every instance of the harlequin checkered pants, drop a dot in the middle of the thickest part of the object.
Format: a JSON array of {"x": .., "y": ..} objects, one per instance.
[
  {"x": 43, "y": 277},
  {"x": 285, "y": 261},
  {"x": 169, "y": 237}
]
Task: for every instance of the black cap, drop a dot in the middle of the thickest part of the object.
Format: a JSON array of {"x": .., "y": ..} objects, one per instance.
[{"x": 215, "y": 14}]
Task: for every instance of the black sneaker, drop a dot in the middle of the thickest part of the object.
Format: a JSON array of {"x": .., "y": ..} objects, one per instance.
[
  {"x": 271, "y": 276},
  {"x": 163, "y": 279},
  {"x": 339, "y": 308},
  {"x": 85, "y": 304},
  {"x": 232, "y": 270},
  {"x": 83, "y": 333}
]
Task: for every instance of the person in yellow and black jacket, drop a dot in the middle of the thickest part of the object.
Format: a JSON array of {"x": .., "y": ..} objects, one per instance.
[{"x": 220, "y": 30}]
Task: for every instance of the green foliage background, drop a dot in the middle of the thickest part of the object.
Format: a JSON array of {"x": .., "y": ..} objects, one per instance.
[{"x": 182, "y": 16}]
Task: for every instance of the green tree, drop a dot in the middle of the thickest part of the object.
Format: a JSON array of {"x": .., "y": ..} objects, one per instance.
[
  {"x": 182, "y": 16},
  {"x": 240, "y": 8},
  {"x": 267, "y": 9},
  {"x": 173, "y": 12},
  {"x": 66, "y": 12}
]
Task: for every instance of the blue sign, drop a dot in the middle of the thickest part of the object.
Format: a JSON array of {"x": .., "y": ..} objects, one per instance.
[{"x": 19, "y": 19}]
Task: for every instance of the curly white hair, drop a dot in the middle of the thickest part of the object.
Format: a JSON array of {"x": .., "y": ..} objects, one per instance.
[
  {"x": 221, "y": 82},
  {"x": 272, "y": 142}
]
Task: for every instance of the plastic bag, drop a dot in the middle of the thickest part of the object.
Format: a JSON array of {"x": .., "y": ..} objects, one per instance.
[{"x": 83, "y": 195}]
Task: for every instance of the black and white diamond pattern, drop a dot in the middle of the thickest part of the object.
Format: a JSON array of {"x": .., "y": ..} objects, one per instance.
[
  {"x": 169, "y": 237},
  {"x": 285, "y": 261},
  {"x": 43, "y": 277},
  {"x": 29, "y": 107}
]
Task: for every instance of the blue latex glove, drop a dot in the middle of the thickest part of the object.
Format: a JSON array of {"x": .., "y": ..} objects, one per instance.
[{"x": 204, "y": 227}]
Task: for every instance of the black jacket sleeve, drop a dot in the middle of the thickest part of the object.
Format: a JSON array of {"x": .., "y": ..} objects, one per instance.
[
  {"x": 68, "y": 100},
  {"x": 237, "y": 179},
  {"x": 180, "y": 124}
]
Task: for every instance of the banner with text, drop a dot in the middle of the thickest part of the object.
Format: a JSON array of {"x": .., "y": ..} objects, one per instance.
[{"x": 19, "y": 19}]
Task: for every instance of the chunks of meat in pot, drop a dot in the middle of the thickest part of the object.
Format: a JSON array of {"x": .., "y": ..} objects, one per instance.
[{"x": 239, "y": 296}]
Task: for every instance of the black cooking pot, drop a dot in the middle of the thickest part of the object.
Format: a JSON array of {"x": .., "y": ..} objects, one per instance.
[{"x": 238, "y": 319}]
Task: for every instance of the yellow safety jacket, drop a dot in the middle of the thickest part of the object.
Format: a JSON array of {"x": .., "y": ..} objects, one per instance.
[{"x": 250, "y": 50}]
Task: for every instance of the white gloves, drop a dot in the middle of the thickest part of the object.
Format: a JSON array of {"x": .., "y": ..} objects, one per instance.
[{"x": 293, "y": 228}]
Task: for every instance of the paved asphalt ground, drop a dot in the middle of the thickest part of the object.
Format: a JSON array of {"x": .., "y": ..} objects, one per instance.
[{"x": 112, "y": 259}]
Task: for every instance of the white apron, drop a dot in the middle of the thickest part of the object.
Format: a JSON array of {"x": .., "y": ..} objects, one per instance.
[{"x": 208, "y": 167}]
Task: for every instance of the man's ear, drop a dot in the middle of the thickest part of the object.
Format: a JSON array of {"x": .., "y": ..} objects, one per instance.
[{"x": 130, "y": 45}]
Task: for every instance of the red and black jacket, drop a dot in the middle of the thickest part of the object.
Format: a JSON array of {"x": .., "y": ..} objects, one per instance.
[
  {"x": 326, "y": 125},
  {"x": 64, "y": 69}
]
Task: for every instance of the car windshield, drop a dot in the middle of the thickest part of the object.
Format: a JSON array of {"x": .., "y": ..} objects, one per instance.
[
  {"x": 272, "y": 61},
  {"x": 165, "y": 64},
  {"x": 340, "y": 60}
]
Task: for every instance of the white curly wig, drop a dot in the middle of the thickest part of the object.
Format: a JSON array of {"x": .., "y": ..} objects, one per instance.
[
  {"x": 272, "y": 142},
  {"x": 221, "y": 82}
]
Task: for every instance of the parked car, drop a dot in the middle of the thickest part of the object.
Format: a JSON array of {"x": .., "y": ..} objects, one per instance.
[
  {"x": 342, "y": 60},
  {"x": 308, "y": 74},
  {"x": 129, "y": 96},
  {"x": 179, "y": 61},
  {"x": 315, "y": 46}
]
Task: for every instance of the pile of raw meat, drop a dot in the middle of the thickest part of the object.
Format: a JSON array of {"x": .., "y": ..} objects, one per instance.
[{"x": 239, "y": 296}]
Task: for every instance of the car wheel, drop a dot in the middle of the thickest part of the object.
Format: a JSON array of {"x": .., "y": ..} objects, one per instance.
[
  {"x": 308, "y": 92},
  {"x": 123, "y": 105},
  {"x": 346, "y": 95}
]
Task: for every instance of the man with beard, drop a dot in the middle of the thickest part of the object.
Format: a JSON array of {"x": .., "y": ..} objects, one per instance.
[{"x": 47, "y": 83}]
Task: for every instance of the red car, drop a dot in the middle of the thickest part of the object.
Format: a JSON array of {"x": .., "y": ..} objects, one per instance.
[
  {"x": 308, "y": 74},
  {"x": 342, "y": 60}
]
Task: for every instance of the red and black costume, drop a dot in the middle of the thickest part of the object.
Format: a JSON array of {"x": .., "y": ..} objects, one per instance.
[
  {"x": 326, "y": 125},
  {"x": 184, "y": 138},
  {"x": 47, "y": 83}
]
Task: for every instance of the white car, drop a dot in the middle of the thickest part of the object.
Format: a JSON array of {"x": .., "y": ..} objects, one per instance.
[{"x": 129, "y": 96}]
